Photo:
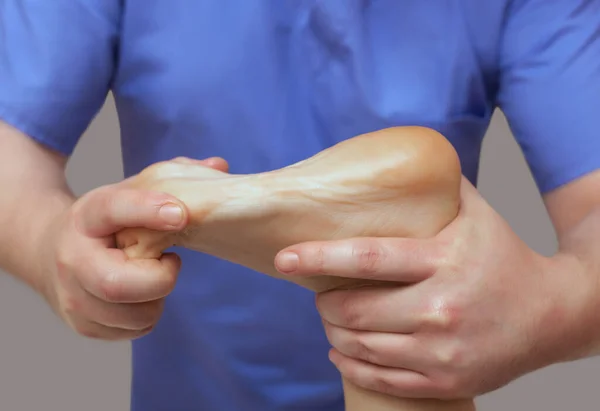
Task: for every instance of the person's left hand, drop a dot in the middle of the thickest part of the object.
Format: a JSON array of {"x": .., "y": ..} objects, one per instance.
[{"x": 478, "y": 307}]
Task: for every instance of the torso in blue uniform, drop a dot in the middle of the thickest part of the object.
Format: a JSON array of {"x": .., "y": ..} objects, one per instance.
[{"x": 265, "y": 83}]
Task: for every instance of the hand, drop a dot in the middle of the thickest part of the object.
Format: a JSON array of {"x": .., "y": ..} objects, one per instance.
[
  {"x": 91, "y": 284},
  {"x": 471, "y": 309}
]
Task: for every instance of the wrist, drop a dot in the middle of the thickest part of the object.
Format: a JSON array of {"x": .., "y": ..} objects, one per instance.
[
  {"x": 32, "y": 237},
  {"x": 572, "y": 325},
  {"x": 45, "y": 238}
]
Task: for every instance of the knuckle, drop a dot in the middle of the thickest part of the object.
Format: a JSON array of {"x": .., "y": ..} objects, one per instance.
[
  {"x": 450, "y": 356},
  {"x": 448, "y": 255},
  {"x": 318, "y": 261},
  {"x": 442, "y": 255},
  {"x": 66, "y": 263},
  {"x": 442, "y": 314},
  {"x": 142, "y": 201},
  {"x": 369, "y": 257},
  {"x": 145, "y": 204},
  {"x": 71, "y": 306},
  {"x": 363, "y": 349},
  {"x": 64, "y": 260},
  {"x": 381, "y": 383},
  {"x": 110, "y": 286},
  {"x": 350, "y": 315}
]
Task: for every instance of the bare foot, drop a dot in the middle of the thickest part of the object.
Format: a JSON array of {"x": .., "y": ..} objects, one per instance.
[{"x": 396, "y": 182}]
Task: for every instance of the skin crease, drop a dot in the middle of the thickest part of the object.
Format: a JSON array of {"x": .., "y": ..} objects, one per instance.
[{"x": 377, "y": 184}]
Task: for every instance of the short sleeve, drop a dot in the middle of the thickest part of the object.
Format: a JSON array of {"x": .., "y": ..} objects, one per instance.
[
  {"x": 549, "y": 87},
  {"x": 57, "y": 59}
]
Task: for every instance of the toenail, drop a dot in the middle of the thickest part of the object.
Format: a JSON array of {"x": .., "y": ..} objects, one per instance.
[{"x": 288, "y": 262}]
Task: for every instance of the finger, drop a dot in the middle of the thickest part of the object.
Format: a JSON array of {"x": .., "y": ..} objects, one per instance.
[
  {"x": 136, "y": 316},
  {"x": 391, "y": 381},
  {"x": 105, "y": 211},
  {"x": 114, "y": 278},
  {"x": 385, "y": 349},
  {"x": 101, "y": 332},
  {"x": 385, "y": 259},
  {"x": 378, "y": 309}
]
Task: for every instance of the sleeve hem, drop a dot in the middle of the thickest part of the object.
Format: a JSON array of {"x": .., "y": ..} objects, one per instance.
[
  {"x": 545, "y": 185},
  {"x": 36, "y": 132}
]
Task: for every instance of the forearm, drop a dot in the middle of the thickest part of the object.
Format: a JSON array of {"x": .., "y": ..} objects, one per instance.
[
  {"x": 35, "y": 193},
  {"x": 578, "y": 260},
  {"x": 24, "y": 219}
]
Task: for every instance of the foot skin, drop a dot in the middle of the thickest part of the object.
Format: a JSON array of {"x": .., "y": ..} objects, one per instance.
[{"x": 396, "y": 182}]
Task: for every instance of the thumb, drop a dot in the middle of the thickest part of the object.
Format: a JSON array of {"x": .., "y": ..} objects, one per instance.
[{"x": 110, "y": 209}]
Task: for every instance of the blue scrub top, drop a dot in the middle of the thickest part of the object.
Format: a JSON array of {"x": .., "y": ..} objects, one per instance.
[{"x": 265, "y": 83}]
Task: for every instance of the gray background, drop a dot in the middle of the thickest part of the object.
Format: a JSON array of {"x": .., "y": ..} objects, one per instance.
[{"x": 45, "y": 366}]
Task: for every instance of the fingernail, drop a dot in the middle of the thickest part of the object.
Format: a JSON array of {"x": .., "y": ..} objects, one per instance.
[
  {"x": 288, "y": 262},
  {"x": 171, "y": 214}
]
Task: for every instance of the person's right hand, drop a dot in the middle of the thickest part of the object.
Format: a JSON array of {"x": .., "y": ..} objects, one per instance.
[{"x": 91, "y": 284}]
